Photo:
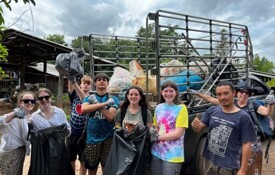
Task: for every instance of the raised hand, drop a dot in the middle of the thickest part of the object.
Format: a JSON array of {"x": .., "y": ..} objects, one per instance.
[
  {"x": 19, "y": 113},
  {"x": 72, "y": 79},
  {"x": 92, "y": 99},
  {"x": 270, "y": 99}
]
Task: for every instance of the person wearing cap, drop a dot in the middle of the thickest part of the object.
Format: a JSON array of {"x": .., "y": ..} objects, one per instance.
[
  {"x": 243, "y": 92},
  {"x": 100, "y": 108},
  {"x": 230, "y": 135},
  {"x": 77, "y": 121}
]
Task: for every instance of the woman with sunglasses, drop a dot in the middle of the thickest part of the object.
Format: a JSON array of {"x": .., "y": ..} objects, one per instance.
[
  {"x": 50, "y": 129},
  {"x": 14, "y": 129},
  {"x": 47, "y": 115}
]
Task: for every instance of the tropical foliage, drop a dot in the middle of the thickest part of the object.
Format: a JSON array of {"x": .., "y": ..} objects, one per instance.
[
  {"x": 263, "y": 64},
  {"x": 3, "y": 49}
]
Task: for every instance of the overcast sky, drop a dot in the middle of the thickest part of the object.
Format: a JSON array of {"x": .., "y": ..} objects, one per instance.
[{"x": 73, "y": 18}]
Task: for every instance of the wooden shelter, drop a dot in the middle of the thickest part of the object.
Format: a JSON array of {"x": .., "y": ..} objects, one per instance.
[{"x": 27, "y": 50}]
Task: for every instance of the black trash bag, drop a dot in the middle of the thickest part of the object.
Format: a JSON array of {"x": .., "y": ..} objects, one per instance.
[
  {"x": 68, "y": 64},
  {"x": 49, "y": 153},
  {"x": 127, "y": 155}
]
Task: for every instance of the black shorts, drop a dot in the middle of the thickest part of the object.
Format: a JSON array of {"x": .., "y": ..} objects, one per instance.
[{"x": 74, "y": 148}]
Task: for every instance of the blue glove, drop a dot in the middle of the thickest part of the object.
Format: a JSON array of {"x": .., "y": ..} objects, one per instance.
[
  {"x": 92, "y": 99},
  {"x": 19, "y": 113}
]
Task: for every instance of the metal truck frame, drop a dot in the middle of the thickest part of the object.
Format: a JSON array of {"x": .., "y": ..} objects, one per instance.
[{"x": 219, "y": 50}]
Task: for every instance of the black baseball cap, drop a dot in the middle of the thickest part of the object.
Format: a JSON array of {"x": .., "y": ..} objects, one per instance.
[{"x": 244, "y": 86}]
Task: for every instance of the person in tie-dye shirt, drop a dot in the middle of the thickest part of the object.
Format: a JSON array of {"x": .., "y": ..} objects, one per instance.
[{"x": 170, "y": 121}]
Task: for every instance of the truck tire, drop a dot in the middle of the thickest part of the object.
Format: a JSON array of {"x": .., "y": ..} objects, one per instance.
[{"x": 199, "y": 166}]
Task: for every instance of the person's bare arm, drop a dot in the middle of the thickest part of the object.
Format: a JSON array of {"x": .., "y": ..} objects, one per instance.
[
  {"x": 173, "y": 135},
  {"x": 265, "y": 111},
  {"x": 7, "y": 118},
  {"x": 76, "y": 87},
  {"x": 246, "y": 153},
  {"x": 197, "y": 125},
  {"x": 70, "y": 87},
  {"x": 88, "y": 108},
  {"x": 79, "y": 91},
  {"x": 208, "y": 98},
  {"x": 109, "y": 114}
]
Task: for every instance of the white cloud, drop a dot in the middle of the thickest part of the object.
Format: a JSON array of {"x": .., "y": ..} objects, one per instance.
[{"x": 125, "y": 17}]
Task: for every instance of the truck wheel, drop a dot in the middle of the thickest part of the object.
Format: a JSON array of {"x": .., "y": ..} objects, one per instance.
[{"x": 199, "y": 160}]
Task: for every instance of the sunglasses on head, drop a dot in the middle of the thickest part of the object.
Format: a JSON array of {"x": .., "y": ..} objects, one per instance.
[
  {"x": 27, "y": 101},
  {"x": 46, "y": 97}
]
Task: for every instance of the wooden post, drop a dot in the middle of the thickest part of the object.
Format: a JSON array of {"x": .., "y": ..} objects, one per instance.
[{"x": 59, "y": 102}]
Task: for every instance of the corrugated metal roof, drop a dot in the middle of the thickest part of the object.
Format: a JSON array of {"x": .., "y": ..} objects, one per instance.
[{"x": 50, "y": 69}]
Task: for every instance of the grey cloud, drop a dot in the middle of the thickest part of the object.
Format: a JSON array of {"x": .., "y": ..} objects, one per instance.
[
  {"x": 266, "y": 46},
  {"x": 81, "y": 18}
]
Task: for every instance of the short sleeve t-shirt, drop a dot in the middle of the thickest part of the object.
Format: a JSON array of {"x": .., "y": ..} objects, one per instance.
[
  {"x": 133, "y": 117},
  {"x": 227, "y": 132},
  {"x": 99, "y": 128},
  {"x": 246, "y": 108},
  {"x": 168, "y": 118}
]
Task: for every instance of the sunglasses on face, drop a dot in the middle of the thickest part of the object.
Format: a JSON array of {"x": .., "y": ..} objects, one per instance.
[
  {"x": 244, "y": 92},
  {"x": 46, "y": 97},
  {"x": 27, "y": 101}
]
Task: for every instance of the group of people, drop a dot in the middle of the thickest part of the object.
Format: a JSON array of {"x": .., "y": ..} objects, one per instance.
[
  {"x": 103, "y": 113},
  {"x": 15, "y": 128},
  {"x": 94, "y": 118}
]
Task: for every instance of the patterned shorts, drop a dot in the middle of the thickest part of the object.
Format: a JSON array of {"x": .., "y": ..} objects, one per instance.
[
  {"x": 12, "y": 162},
  {"x": 95, "y": 153}
]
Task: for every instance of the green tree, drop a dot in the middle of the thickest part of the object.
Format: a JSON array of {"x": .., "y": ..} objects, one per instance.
[
  {"x": 3, "y": 49},
  {"x": 263, "y": 64},
  {"x": 7, "y": 2},
  {"x": 57, "y": 38}
]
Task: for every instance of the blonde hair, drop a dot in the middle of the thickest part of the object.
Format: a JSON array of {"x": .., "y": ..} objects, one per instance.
[
  {"x": 86, "y": 78},
  {"x": 22, "y": 94}
]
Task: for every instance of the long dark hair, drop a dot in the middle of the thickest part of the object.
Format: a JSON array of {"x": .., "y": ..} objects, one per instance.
[
  {"x": 174, "y": 86},
  {"x": 142, "y": 102}
]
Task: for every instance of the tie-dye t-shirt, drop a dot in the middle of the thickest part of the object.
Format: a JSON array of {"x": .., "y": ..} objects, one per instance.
[{"x": 168, "y": 118}]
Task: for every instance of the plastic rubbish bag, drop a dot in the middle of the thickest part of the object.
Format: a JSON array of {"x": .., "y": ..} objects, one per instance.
[
  {"x": 141, "y": 82},
  {"x": 68, "y": 64},
  {"x": 128, "y": 154},
  {"x": 49, "y": 153},
  {"x": 135, "y": 68},
  {"x": 120, "y": 81}
]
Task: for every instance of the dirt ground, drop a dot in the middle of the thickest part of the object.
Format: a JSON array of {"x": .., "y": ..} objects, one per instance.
[{"x": 268, "y": 168}]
